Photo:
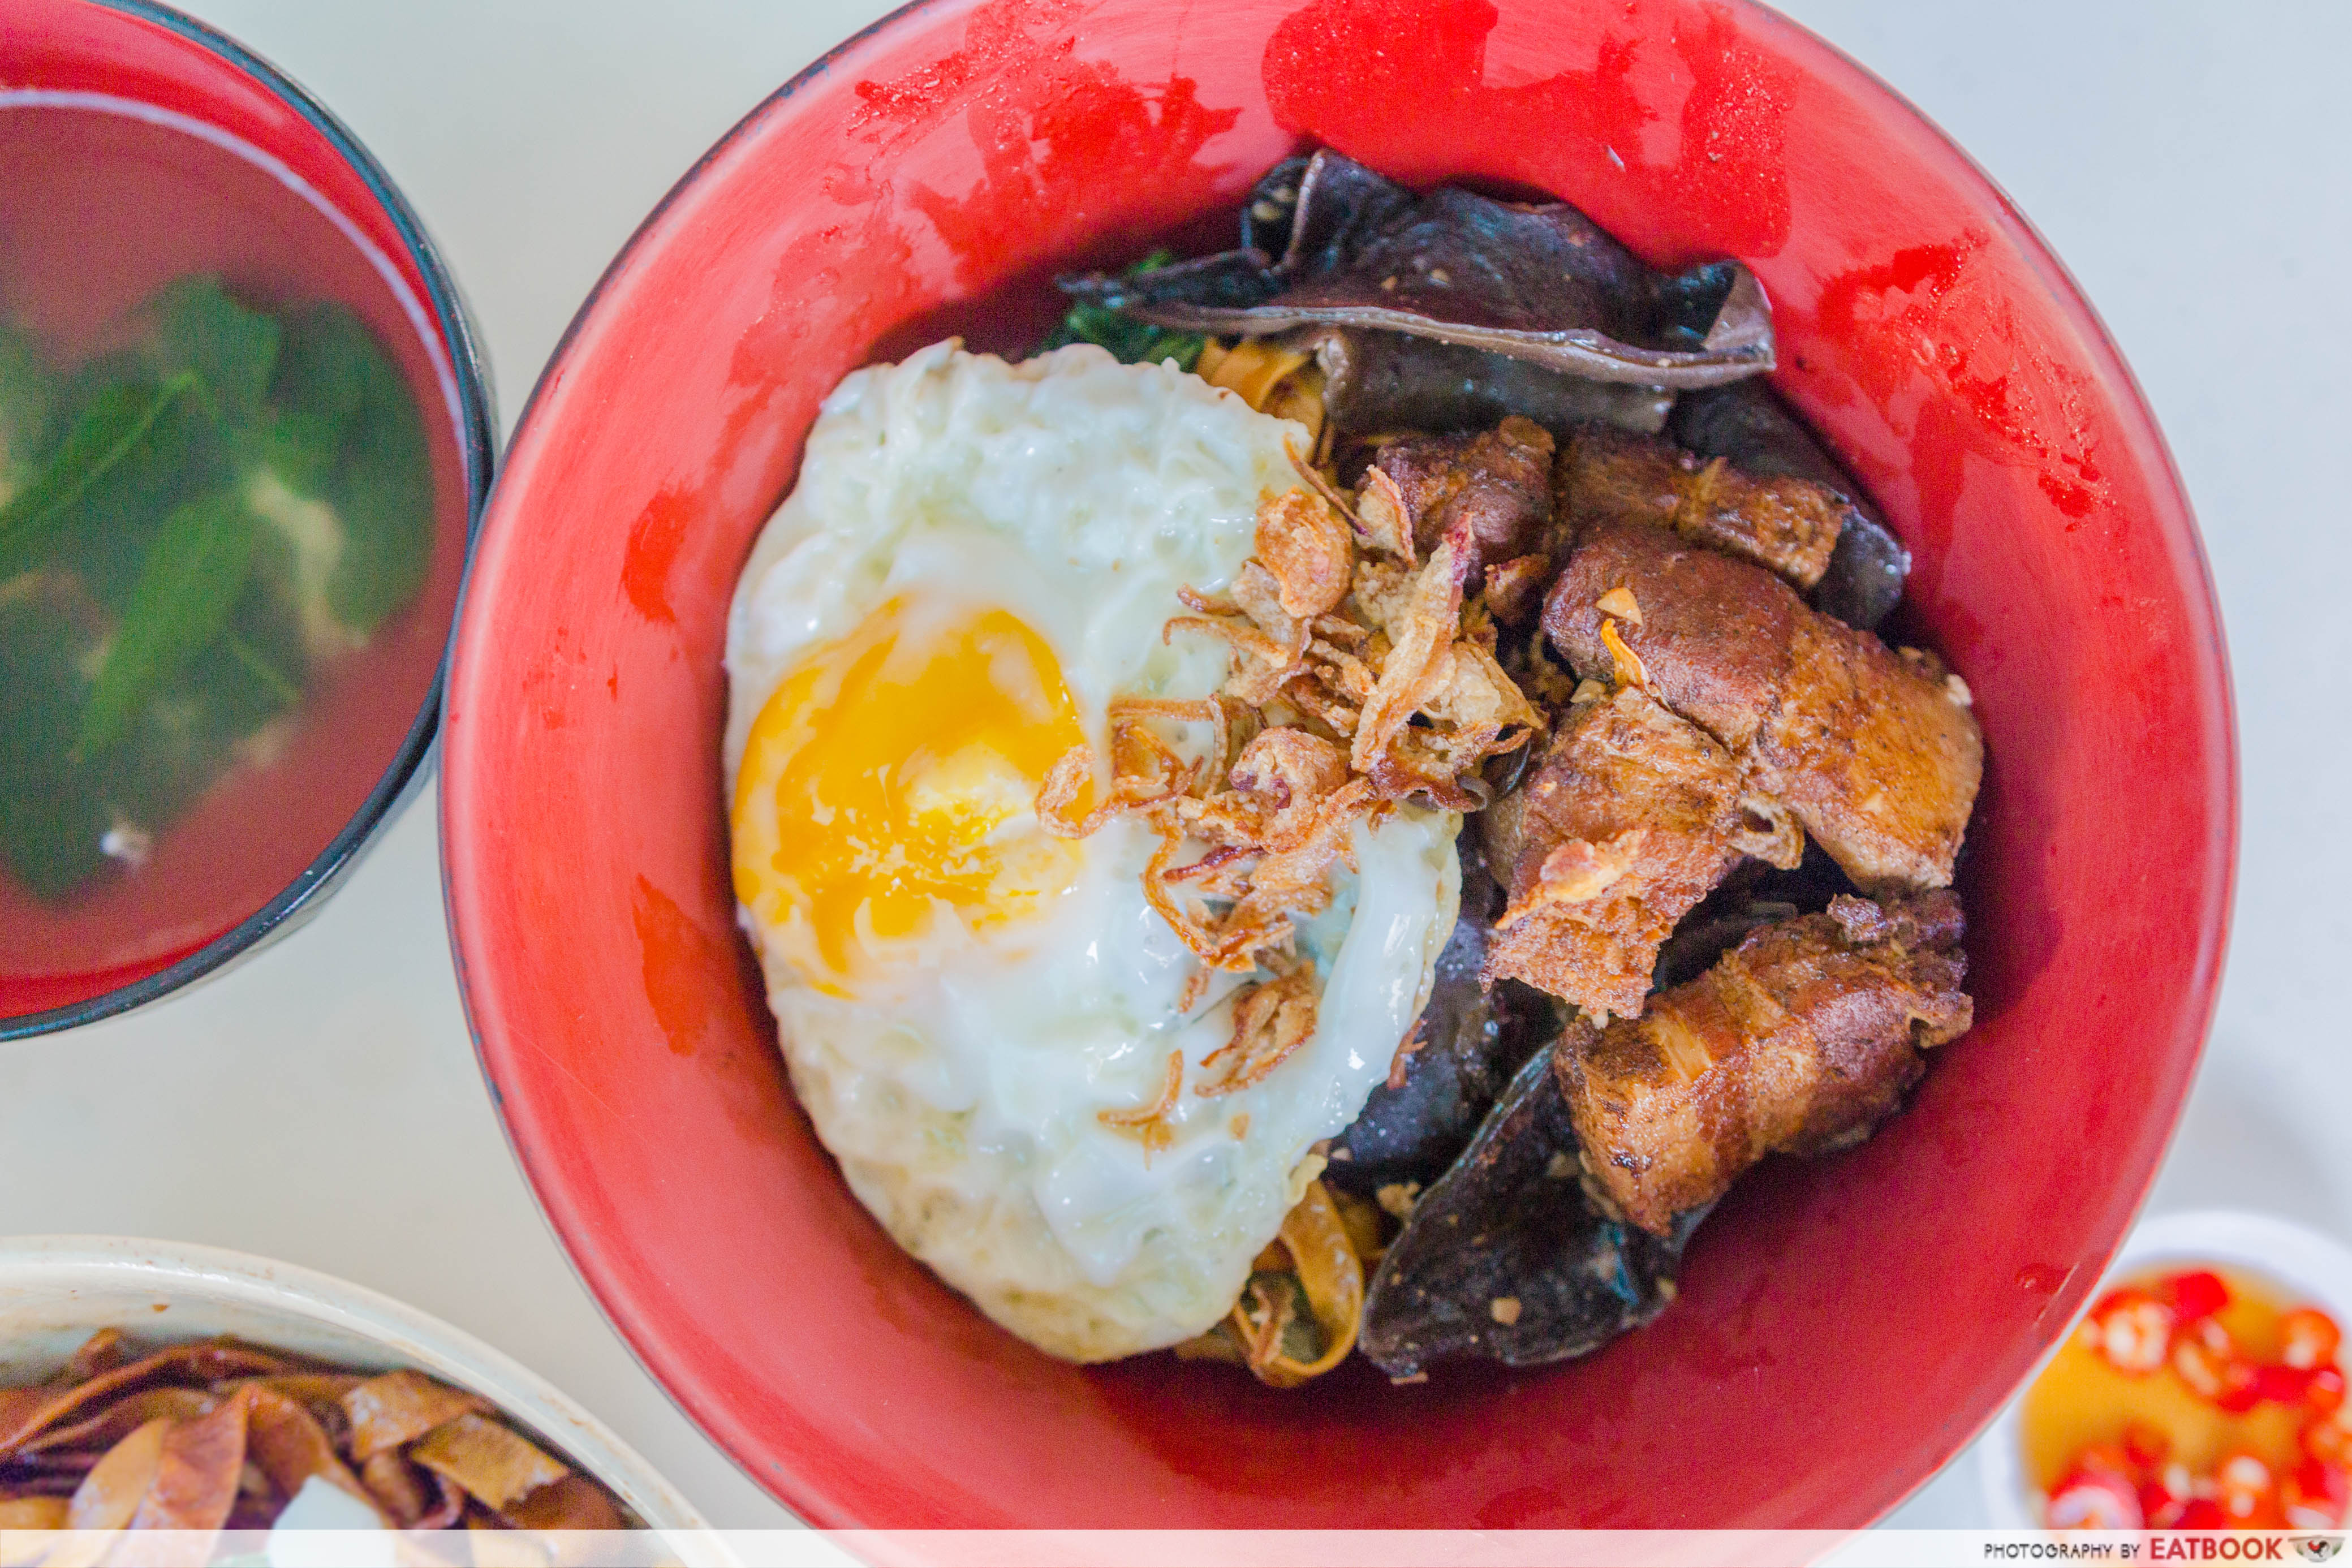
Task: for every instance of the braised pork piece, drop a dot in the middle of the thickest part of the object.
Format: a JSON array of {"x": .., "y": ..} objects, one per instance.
[
  {"x": 1876, "y": 753},
  {"x": 1798, "y": 1040},
  {"x": 1787, "y": 526},
  {"x": 1631, "y": 817},
  {"x": 1706, "y": 851},
  {"x": 1492, "y": 490},
  {"x": 1747, "y": 424}
]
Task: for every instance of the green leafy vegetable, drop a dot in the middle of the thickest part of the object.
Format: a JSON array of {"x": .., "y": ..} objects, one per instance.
[
  {"x": 50, "y": 824},
  {"x": 106, "y": 431},
  {"x": 187, "y": 525},
  {"x": 1130, "y": 341},
  {"x": 187, "y": 585},
  {"x": 232, "y": 350},
  {"x": 335, "y": 385},
  {"x": 57, "y": 810},
  {"x": 325, "y": 367},
  {"x": 274, "y": 680}
]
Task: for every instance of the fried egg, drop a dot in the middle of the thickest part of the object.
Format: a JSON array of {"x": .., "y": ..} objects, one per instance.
[{"x": 977, "y": 557}]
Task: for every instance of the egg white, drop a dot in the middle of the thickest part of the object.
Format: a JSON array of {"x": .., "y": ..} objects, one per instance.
[{"x": 960, "y": 1091}]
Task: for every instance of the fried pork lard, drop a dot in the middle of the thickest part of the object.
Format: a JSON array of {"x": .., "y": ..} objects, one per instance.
[
  {"x": 1876, "y": 753},
  {"x": 1799, "y": 1041}
]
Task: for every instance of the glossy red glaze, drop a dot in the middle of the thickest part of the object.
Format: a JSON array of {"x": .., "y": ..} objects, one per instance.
[{"x": 1844, "y": 1326}]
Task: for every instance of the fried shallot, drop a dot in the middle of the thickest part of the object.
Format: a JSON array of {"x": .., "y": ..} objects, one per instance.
[{"x": 1358, "y": 677}]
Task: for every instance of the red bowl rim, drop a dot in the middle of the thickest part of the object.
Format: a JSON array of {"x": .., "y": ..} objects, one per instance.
[{"x": 778, "y": 1474}]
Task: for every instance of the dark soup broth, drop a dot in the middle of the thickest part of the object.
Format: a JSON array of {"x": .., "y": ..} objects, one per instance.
[{"x": 232, "y": 526}]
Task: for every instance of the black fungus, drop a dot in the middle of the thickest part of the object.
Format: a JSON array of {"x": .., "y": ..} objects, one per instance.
[
  {"x": 1539, "y": 282},
  {"x": 1382, "y": 382},
  {"x": 1507, "y": 1258}
]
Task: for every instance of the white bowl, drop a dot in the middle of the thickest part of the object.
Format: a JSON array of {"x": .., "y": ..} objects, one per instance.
[
  {"x": 56, "y": 1290},
  {"x": 2308, "y": 1267}
]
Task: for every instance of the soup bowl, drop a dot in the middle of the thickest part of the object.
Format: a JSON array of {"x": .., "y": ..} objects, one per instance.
[
  {"x": 1843, "y": 1325},
  {"x": 138, "y": 148}
]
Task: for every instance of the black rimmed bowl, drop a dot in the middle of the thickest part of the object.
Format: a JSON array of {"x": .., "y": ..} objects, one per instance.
[{"x": 139, "y": 151}]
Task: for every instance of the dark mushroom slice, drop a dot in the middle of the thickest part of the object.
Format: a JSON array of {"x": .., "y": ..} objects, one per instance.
[
  {"x": 1799, "y": 1041},
  {"x": 1230, "y": 280},
  {"x": 1272, "y": 207},
  {"x": 1470, "y": 1040},
  {"x": 1747, "y": 423},
  {"x": 1376, "y": 382},
  {"x": 1538, "y": 282},
  {"x": 1507, "y": 1258}
]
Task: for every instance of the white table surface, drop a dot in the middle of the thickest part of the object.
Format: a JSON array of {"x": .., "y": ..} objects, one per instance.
[{"x": 321, "y": 1104}]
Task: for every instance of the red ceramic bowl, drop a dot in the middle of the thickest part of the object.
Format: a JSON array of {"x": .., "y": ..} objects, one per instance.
[{"x": 1844, "y": 1326}]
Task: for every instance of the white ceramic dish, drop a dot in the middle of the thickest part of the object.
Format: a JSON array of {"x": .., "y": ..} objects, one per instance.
[
  {"x": 2307, "y": 1266},
  {"x": 56, "y": 1290}
]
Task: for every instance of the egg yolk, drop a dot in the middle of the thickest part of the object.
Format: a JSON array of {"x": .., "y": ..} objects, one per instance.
[{"x": 890, "y": 781}]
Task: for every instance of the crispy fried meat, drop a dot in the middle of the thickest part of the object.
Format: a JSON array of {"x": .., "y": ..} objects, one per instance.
[
  {"x": 1712, "y": 633},
  {"x": 1785, "y": 524},
  {"x": 1874, "y": 752},
  {"x": 1799, "y": 1041},
  {"x": 1493, "y": 489},
  {"x": 1631, "y": 817}
]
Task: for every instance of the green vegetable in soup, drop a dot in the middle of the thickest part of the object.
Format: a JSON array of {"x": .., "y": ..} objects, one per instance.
[
  {"x": 365, "y": 456},
  {"x": 191, "y": 527},
  {"x": 63, "y": 818},
  {"x": 191, "y": 579},
  {"x": 27, "y": 393},
  {"x": 230, "y": 350},
  {"x": 108, "y": 429}
]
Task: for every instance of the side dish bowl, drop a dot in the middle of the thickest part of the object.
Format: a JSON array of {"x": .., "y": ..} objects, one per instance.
[
  {"x": 1844, "y": 1326},
  {"x": 57, "y": 1291},
  {"x": 2309, "y": 1269}
]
